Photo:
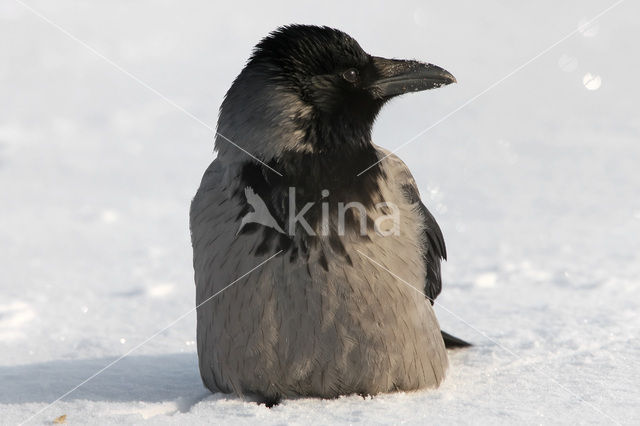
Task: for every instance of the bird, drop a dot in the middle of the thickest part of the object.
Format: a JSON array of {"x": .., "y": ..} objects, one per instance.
[{"x": 331, "y": 292}]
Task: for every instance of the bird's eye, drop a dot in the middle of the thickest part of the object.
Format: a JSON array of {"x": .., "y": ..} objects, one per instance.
[{"x": 351, "y": 75}]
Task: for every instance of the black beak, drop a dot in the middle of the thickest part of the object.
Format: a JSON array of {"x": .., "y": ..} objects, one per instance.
[{"x": 396, "y": 77}]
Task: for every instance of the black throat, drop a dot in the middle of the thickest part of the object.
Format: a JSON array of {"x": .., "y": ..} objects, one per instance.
[
  {"x": 324, "y": 179},
  {"x": 312, "y": 175}
]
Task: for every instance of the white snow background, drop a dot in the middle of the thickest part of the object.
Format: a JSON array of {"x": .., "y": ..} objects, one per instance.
[{"x": 535, "y": 184}]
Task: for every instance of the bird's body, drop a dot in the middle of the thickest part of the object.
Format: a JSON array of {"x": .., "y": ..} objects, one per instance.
[
  {"x": 301, "y": 328},
  {"x": 335, "y": 305}
]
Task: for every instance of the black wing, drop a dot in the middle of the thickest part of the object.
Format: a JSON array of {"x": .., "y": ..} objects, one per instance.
[
  {"x": 433, "y": 245},
  {"x": 434, "y": 252},
  {"x": 434, "y": 248}
]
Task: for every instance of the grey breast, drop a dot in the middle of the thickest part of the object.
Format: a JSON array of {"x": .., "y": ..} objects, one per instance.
[{"x": 295, "y": 327}]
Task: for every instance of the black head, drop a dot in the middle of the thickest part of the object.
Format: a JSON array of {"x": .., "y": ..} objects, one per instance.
[{"x": 325, "y": 85}]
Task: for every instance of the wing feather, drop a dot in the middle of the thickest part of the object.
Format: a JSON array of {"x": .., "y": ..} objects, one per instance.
[{"x": 434, "y": 248}]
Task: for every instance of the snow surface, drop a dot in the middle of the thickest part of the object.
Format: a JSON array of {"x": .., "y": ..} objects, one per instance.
[{"x": 535, "y": 185}]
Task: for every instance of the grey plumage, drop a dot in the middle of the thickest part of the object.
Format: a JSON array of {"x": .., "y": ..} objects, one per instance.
[{"x": 319, "y": 319}]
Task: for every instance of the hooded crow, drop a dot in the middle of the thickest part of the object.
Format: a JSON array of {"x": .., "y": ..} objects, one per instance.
[{"x": 329, "y": 313}]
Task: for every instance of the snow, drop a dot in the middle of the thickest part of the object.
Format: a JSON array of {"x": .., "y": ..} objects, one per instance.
[{"x": 534, "y": 183}]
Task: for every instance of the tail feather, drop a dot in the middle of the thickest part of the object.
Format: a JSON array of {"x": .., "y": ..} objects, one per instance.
[{"x": 452, "y": 342}]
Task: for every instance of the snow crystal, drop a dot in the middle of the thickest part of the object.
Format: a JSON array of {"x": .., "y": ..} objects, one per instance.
[
  {"x": 109, "y": 216},
  {"x": 592, "y": 81}
]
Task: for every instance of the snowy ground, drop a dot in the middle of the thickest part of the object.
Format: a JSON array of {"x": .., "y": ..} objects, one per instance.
[{"x": 535, "y": 185}]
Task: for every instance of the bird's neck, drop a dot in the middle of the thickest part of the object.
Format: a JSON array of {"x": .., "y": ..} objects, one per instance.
[
  {"x": 340, "y": 136},
  {"x": 335, "y": 151},
  {"x": 313, "y": 175}
]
